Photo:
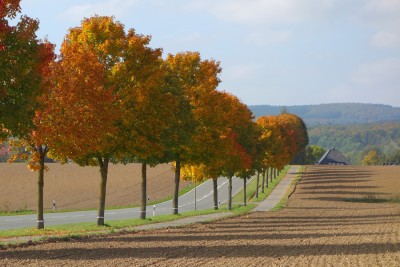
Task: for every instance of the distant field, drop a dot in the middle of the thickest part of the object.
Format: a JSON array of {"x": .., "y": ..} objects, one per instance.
[{"x": 75, "y": 187}]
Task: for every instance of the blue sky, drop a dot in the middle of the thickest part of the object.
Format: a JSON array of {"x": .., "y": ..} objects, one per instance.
[{"x": 276, "y": 52}]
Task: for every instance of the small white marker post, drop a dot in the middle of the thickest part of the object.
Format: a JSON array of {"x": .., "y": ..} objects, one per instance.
[{"x": 154, "y": 210}]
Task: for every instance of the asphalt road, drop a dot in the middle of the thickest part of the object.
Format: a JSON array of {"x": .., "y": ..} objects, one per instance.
[{"x": 204, "y": 200}]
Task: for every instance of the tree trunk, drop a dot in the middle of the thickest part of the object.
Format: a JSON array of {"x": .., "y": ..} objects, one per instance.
[
  {"x": 144, "y": 191},
  {"x": 271, "y": 171},
  {"x": 230, "y": 193},
  {"x": 40, "y": 219},
  {"x": 267, "y": 176},
  {"x": 244, "y": 191},
  {"x": 263, "y": 182},
  {"x": 176, "y": 193},
  {"x": 103, "y": 163},
  {"x": 258, "y": 183},
  {"x": 215, "y": 189}
]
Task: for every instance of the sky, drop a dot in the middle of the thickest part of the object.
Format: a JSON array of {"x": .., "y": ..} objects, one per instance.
[{"x": 275, "y": 52}]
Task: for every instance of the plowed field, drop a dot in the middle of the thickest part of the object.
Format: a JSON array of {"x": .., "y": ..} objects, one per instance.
[
  {"x": 75, "y": 187},
  {"x": 318, "y": 228}
]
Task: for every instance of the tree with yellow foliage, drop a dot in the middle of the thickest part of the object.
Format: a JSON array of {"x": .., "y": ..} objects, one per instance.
[{"x": 189, "y": 79}]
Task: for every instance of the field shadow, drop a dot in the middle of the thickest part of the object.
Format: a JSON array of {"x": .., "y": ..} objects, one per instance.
[
  {"x": 341, "y": 184},
  {"x": 232, "y": 239},
  {"x": 248, "y": 236},
  {"x": 198, "y": 251}
]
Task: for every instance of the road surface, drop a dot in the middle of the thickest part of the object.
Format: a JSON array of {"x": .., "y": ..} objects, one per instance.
[{"x": 204, "y": 200}]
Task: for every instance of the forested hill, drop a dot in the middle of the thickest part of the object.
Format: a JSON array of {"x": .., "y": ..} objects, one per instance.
[
  {"x": 355, "y": 140},
  {"x": 334, "y": 114}
]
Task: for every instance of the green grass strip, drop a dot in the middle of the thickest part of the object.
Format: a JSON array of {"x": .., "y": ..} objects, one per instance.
[
  {"x": 251, "y": 189},
  {"x": 78, "y": 230}
]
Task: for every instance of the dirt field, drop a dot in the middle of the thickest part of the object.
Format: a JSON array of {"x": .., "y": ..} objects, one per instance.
[
  {"x": 317, "y": 228},
  {"x": 75, "y": 187}
]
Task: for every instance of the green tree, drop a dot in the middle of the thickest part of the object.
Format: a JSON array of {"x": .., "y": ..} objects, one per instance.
[
  {"x": 314, "y": 153},
  {"x": 24, "y": 68}
]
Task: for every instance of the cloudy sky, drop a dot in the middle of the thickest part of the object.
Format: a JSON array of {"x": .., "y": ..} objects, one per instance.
[{"x": 277, "y": 52}]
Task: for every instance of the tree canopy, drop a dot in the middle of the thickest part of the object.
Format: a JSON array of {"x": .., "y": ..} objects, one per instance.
[{"x": 110, "y": 97}]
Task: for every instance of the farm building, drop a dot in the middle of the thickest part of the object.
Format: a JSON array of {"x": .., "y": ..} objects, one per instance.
[{"x": 333, "y": 157}]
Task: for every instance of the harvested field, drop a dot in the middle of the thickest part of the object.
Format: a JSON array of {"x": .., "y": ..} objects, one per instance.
[
  {"x": 318, "y": 228},
  {"x": 75, "y": 187}
]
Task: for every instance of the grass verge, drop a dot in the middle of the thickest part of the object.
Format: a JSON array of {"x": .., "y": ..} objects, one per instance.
[
  {"x": 81, "y": 230},
  {"x": 17, "y": 212},
  {"x": 251, "y": 189}
]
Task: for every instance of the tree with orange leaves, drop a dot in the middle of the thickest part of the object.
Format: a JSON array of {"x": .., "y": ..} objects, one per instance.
[
  {"x": 109, "y": 90},
  {"x": 273, "y": 136},
  {"x": 147, "y": 108},
  {"x": 216, "y": 150},
  {"x": 299, "y": 134},
  {"x": 285, "y": 135},
  {"x": 103, "y": 92},
  {"x": 189, "y": 79},
  {"x": 81, "y": 111},
  {"x": 228, "y": 148}
]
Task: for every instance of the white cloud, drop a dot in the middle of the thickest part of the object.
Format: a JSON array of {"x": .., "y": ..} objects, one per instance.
[
  {"x": 263, "y": 38},
  {"x": 386, "y": 39},
  {"x": 374, "y": 82},
  {"x": 261, "y": 12},
  {"x": 380, "y": 15},
  {"x": 383, "y": 17},
  {"x": 106, "y": 8},
  {"x": 381, "y": 73},
  {"x": 249, "y": 12},
  {"x": 243, "y": 71}
]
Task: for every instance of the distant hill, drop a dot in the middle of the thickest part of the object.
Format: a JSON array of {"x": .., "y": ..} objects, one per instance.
[{"x": 334, "y": 114}]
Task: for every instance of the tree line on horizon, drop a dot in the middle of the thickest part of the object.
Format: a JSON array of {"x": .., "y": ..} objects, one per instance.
[
  {"x": 335, "y": 114},
  {"x": 357, "y": 141},
  {"x": 109, "y": 97}
]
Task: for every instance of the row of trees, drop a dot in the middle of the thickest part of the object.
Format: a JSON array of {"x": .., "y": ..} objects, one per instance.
[{"x": 109, "y": 97}]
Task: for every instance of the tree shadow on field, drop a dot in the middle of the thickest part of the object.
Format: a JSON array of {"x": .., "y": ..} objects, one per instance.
[
  {"x": 336, "y": 184},
  {"x": 224, "y": 236},
  {"x": 291, "y": 233},
  {"x": 334, "y": 187},
  {"x": 336, "y": 181},
  {"x": 202, "y": 251},
  {"x": 244, "y": 237},
  {"x": 337, "y": 192}
]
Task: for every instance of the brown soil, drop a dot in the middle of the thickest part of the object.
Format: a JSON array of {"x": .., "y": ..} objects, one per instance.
[
  {"x": 317, "y": 228},
  {"x": 75, "y": 187}
]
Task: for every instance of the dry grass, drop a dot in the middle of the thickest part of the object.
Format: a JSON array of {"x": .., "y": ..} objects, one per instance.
[{"x": 75, "y": 187}]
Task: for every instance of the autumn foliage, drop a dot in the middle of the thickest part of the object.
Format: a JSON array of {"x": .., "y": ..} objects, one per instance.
[
  {"x": 285, "y": 135},
  {"x": 109, "y": 97}
]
